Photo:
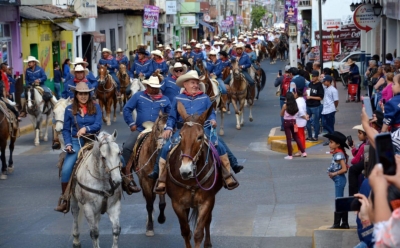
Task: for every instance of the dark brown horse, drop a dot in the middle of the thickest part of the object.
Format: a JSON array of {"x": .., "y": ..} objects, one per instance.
[
  {"x": 144, "y": 164},
  {"x": 196, "y": 192},
  {"x": 273, "y": 51},
  {"x": 7, "y": 132},
  {"x": 282, "y": 48},
  {"x": 105, "y": 93},
  {"x": 124, "y": 79}
]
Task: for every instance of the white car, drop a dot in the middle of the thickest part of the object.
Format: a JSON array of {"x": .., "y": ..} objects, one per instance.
[{"x": 339, "y": 64}]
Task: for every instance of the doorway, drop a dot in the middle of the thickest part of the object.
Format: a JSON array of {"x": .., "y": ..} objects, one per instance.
[
  {"x": 56, "y": 52},
  {"x": 87, "y": 40},
  {"x": 34, "y": 50}
]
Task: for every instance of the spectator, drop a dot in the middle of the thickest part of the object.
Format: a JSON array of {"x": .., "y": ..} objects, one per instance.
[
  {"x": 314, "y": 97},
  {"x": 387, "y": 92},
  {"x": 370, "y": 72},
  {"x": 378, "y": 87},
  {"x": 357, "y": 163},
  {"x": 297, "y": 79},
  {"x": 66, "y": 68},
  {"x": 392, "y": 111},
  {"x": 389, "y": 59},
  {"x": 12, "y": 82},
  {"x": 311, "y": 55},
  {"x": 283, "y": 81},
  {"x": 354, "y": 77},
  {"x": 300, "y": 121},
  {"x": 331, "y": 101},
  {"x": 57, "y": 81}
]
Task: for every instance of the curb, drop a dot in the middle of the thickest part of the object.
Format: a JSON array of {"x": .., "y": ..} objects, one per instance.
[
  {"x": 29, "y": 128},
  {"x": 277, "y": 143},
  {"x": 345, "y": 237}
]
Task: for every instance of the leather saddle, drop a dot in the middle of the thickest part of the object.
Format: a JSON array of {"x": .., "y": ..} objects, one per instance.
[
  {"x": 148, "y": 125},
  {"x": 10, "y": 116}
]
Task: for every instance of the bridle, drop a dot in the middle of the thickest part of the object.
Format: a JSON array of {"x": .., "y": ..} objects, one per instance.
[
  {"x": 196, "y": 157},
  {"x": 107, "y": 170}
]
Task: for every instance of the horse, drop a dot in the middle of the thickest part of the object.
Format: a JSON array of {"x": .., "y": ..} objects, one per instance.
[
  {"x": 58, "y": 114},
  {"x": 124, "y": 79},
  {"x": 145, "y": 158},
  {"x": 5, "y": 134},
  {"x": 36, "y": 108},
  {"x": 193, "y": 179},
  {"x": 262, "y": 53},
  {"x": 282, "y": 48},
  {"x": 96, "y": 188},
  {"x": 105, "y": 93},
  {"x": 260, "y": 79},
  {"x": 212, "y": 91},
  {"x": 238, "y": 94},
  {"x": 272, "y": 51}
]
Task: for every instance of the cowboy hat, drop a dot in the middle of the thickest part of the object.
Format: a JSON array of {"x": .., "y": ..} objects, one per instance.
[
  {"x": 168, "y": 48},
  {"x": 207, "y": 43},
  {"x": 177, "y": 65},
  {"x": 217, "y": 43},
  {"x": 153, "y": 82},
  {"x": 81, "y": 87},
  {"x": 178, "y": 50},
  {"x": 106, "y": 50},
  {"x": 224, "y": 39},
  {"x": 142, "y": 51},
  {"x": 212, "y": 52},
  {"x": 157, "y": 52},
  {"x": 240, "y": 45},
  {"x": 190, "y": 75},
  {"x": 30, "y": 59},
  {"x": 198, "y": 46},
  {"x": 338, "y": 138},
  {"x": 80, "y": 68},
  {"x": 216, "y": 37},
  {"x": 193, "y": 41},
  {"x": 119, "y": 50},
  {"x": 241, "y": 38},
  {"x": 350, "y": 62},
  {"x": 184, "y": 45},
  {"x": 359, "y": 128},
  {"x": 79, "y": 60},
  {"x": 203, "y": 40},
  {"x": 255, "y": 37},
  {"x": 160, "y": 45}
]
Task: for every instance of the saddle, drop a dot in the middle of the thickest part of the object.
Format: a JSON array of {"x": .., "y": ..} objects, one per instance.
[{"x": 10, "y": 116}]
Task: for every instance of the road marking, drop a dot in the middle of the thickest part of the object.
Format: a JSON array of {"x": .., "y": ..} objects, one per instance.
[{"x": 258, "y": 147}]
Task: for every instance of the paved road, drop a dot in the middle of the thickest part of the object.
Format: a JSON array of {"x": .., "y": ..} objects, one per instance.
[{"x": 278, "y": 203}]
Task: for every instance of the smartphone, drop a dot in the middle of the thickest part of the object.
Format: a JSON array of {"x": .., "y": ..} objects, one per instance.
[
  {"x": 347, "y": 204},
  {"x": 280, "y": 72},
  {"x": 385, "y": 153},
  {"x": 350, "y": 140},
  {"x": 367, "y": 106},
  {"x": 70, "y": 152}
]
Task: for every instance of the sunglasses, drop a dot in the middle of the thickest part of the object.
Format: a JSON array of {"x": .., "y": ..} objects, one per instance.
[{"x": 179, "y": 70}]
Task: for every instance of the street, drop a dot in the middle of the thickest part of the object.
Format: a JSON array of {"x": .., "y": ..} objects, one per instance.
[{"x": 277, "y": 204}]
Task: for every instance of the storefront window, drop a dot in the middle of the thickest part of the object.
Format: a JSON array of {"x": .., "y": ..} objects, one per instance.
[{"x": 5, "y": 43}]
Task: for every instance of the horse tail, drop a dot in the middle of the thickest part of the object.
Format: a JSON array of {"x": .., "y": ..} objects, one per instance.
[
  {"x": 263, "y": 79},
  {"x": 193, "y": 217}
]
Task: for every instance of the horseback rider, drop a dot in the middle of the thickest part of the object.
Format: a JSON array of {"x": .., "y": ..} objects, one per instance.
[
  {"x": 158, "y": 63},
  {"x": 121, "y": 58},
  {"x": 148, "y": 104},
  {"x": 168, "y": 54},
  {"x": 207, "y": 48},
  {"x": 35, "y": 76},
  {"x": 198, "y": 54},
  {"x": 82, "y": 117},
  {"x": 195, "y": 102},
  {"x": 192, "y": 43},
  {"x": 90, "y": 77},
  {"x": 4, "y": 89},
  {"x": 147, "y": 54},
  {"x": 214, "y": 68},
  {"x": 188, "y": 54},
  {"x": 80, "y": 75},
  {"x": 179, "y": 58},
  {"x": 244, "y": 63},
  {"x": 109, "y": 61},
  {"x": 142, "y": 67},
  {"x": 169, "y": 87}
]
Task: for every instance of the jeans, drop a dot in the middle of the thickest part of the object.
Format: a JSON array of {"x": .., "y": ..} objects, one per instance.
[
  {"x": 328, "y": 121},
  {"x": 354, "y": 173},
  {"x": 282, "y": 102},
  {"x": 57, "y": 87},
  {"x": 248, "y": 78},
  {"x": 114, "y": 76},
  {"x": 70, "y": 160},
  {"x": 221, "y": 85},
  {"x": 314, "y": 113},
  {"x": 361, "y": 245},
  {"x": 127, "y": 147},
  {"x": 289, "y": 132},
  {"x": 340, "y": 183}
]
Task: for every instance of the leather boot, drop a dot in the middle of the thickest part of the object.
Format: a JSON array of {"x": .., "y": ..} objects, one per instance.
[
  {"x": 23, "y": 111},
  {"x": 63, "y": 205},
  {"x": 160, "y": 185},
  {"x": 336, "y": 221},
  {"x": 345, "y": 220},
  {"x": 224, "y": 100},
  {"x": 56, "y": 142},
  {"x": 227, "y": 176},
  {"x": 129, "y": 185}
]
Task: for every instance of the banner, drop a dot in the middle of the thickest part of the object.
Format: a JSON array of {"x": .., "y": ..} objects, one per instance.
[
  {"x": 291, "y": 11},
  {"x": 170, "y": 8},
  {"x": 150, "y": 17},
  {"x": 329, "y": 49},
  {"x": 239, "y": 20},
  {"x": 187, "y": 20}
]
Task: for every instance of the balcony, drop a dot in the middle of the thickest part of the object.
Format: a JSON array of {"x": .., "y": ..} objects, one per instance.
[{"x": 304, "y": 4}]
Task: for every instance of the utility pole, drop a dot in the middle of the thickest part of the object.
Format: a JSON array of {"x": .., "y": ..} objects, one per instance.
[{"x": 321, "y": 58}]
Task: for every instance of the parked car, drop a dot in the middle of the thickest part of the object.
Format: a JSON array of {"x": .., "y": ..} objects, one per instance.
[{"x": 339, "y": 64}]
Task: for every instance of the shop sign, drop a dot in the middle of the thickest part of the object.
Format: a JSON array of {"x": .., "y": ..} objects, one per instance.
[
  {"x": 187, "y": 20},
  {"x": 364, "y": 17},
  {"x": 170, "y": 8},
  {"x": 150, "y": 17}
]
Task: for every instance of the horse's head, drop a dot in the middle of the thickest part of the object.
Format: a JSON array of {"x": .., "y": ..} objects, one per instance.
[
  {"x": 158, "y": 128},
  {"x": 235, "y": 70},
  {"x": 103, "y": 74},
  {"x": 200, "y": 64},
  {"x": 59, "y": 111},
  {"x": 107, "y": 151},
  {"x": 192, "y": 140},
  {"x": 122, "y": 70}
]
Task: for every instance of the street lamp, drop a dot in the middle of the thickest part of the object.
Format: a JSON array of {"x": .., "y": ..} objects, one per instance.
[
  {"x": 352, "y": 7},
  {"x": 377, "y": 8}
]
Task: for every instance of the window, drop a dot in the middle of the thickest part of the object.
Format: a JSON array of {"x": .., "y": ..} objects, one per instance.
[
  {"x": 355, "y": 57},
  {"x": 112, "y": 40},
  {"x": 103, "y": 44},
  {"x": 77, "y": 46}
]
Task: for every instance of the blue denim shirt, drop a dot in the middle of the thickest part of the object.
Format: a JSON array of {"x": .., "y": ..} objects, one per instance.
[
  {"x": 392, "y": 111},
  {"x": 212, "y": 67},
  {"x": 36, "y": 73},
  {"x": 244, "y": 61},
  {"x": 197, "y": 56},
  {"x": 11, "y": 81},
  {"x": 113, "y": 64},
  {"x": 252, "y": 56},
  {"x": 67, "y": 92},
  {"x": 169, "y": 88},
  {"x": 162, "y": 66},
  {"x": 124, "y": 61},
  {"x": 146, "y": 68},
  {"x": 221, "y": 66}
]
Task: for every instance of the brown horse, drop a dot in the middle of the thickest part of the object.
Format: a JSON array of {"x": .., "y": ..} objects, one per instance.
[
  {"x": 5, "y": 134},
  {"x": 273, "y": 51},
  {"x": 105, "y": 93},
  {"x": 124, "y": 79},
  {"x": 144, "y": 165},
  {"x": 238, "y": 94},
  {"x": 197, "y": 192}
]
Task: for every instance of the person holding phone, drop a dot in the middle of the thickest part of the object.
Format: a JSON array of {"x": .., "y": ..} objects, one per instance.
[{"x": 357, "y": 162}]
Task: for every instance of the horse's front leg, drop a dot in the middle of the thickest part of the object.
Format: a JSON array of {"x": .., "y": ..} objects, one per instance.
[
  {"x": 221, "y": 127},
  {"x": 108, "y": 112},
  {"x": 3, "y": 159},
  {"x": 102, "y": 110},
  {"x": 237, "y": 113},
  {"x": 10, "y": 168},
  {"x": 93, "y": 221},
  {"x": 161, "y": 205},
  {"x": 75, "y": 225},
  {"x": 115, "y": 108},
  {"x": 114, "y": 212},
  {"x": 251, "y": 114},
  {"x": 203, "y": 223},
  {"x": 183, "y": 221},
  {"x": 241, "y": 112},
  {"x": 46, "y": 129}
]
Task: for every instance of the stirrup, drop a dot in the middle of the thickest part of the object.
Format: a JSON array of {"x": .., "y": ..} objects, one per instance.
[
  {"x": 231, "y": 187},
  {"x": 159, "y": 192}
]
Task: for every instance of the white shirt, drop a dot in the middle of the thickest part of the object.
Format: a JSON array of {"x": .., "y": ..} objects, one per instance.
[
  {"x": 301, "y": 104},
  {"x": 271, "y": 37},
  {"x": 331, "y": 95}
]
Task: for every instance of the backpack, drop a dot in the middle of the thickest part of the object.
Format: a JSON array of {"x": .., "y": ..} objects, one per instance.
[{"x": 285, "y": 85}]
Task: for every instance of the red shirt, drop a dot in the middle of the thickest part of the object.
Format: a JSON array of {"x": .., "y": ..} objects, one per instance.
[{"x": 5, "y": 80}]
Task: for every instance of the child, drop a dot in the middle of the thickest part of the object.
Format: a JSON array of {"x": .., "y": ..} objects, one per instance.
[
  {"x": 337, "y": 171},
  {"x": 300, "y": 121},
  {"x": 331, "y": 101},
  {"x": 289, "y": 112},
  {"x": 357, "y": 163},
  {"x": 57, "y": 80}
]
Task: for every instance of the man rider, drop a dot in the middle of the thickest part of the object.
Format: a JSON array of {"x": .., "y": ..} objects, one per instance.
[
  {"x": 121, "y": 58},
  {"x": 90, "y": 77},
  {"x": 141, "y": 67},
  {"x": 169, "y": 87},
  {"x": 109, "y": 61},
  {"x": 244, "y": 64},
  {"x": 214, "y": 68},
  {"x": 198, "y": 54},
  {"x": 158, "y": 63},
  {"x": 179, "y": 58},
  {"x": 80, "y": 74}
]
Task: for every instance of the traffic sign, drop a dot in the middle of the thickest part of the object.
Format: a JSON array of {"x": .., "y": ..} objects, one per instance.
[
  {"x": 332, "y": 24},
  {"x": 364, "y": 17}
]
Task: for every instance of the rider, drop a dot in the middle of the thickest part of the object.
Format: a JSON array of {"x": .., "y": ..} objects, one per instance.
[
  {"x": 169, "y": 87},
  {"x": 188, "y": 54},
  {"x": 121, "y": 58},
  {"x": 244, "y": 63},
  {"x": 195, "y": 102},
  {"x": 109, "y": 61},
  {"x": 215, "y": 67},
  {"x": 90, "y": 77},
  {"x": 158, "y": 63},
  {"x": 179, "y": 58},
  {"x": 198, "y": 54},
  {"x": 80, "y": 75},
  {"x": 252, "y": 55},
  {"x": 148, "y": 104},
  {"x": 3, "y": 94},
  {"x": 82, "y": 117},
  {"x": 142, "y": 67},
  {"x": 35, "y": 75},
  {"x": 144, "y": 47}
]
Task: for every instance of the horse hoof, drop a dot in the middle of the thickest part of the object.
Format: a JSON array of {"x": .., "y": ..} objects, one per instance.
[
  {"x": 108, "y": 123},
  {"x": 238, "y": 127},
  {"x": 149, "y": 233},
  {"x": 161, "y": 219},
  {"x": 37, "y": 143},
  {"x": 76, "y": 245},
  {"x": 228, "y": 112},
  {"x": 221, "y": 133},
  {"x": 45, "y": 138},
  {"x": 115, "y": 119},
  {"x": 251, "y": 119},
  {"x": 10, "y": 169},
  {"x": 120, "y": 113},
  {"x": 241, "y": 124}
]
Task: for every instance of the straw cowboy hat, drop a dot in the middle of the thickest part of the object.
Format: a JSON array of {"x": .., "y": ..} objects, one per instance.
[
  {"x": 160, "y": 45},
  {"x": 80, "y": 68},
  {"x": 223, "y": 39},
  {"x": 207, "y": 43},
  {"x": 106, "y": 50},
  {"x": 30, "y": 59},
  {"x": 350, "y": 62},
  {"x": 216, "y": 38},
  {"x": 168, "y": 48},
  {"x": 338, "y": 138},
  {"x": 153, "y": 82},
  {"x": 119, "y": 50},
  {"x": 81, "y": 87},
  {"x": 198, "y": 46},
  {"x": 204, "y": 40},
  {"x": 176, "y": 66},
  {"x": 359, "y": 128},
  {"x": 178, "y": 50},
  {"x": 193, "y": 41},
  {"x": 79, "y": 60},
  {"x": 240, "y": 45},
  {"x": 157, "y": 52},
  {"x": 212, "y": 52},
  {"x": 190, "y": 75}
]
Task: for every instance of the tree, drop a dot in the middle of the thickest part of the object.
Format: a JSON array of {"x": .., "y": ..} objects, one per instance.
[{"x": 257, "y": 13}]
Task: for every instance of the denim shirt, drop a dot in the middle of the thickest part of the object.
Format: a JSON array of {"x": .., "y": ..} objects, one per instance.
[
  {"x": 169, "y": 88},
  {"x": 11, "y": 81},
  {"x": 244, "y": 61},
  {"x": 146, "y": 68},
  {"x": 91, "y": 122},
  {"x": 211, "y": 66},
  {"x": 162, "y": 66},
  {"x": 221, "y": 66},
  {"x": 392, "y": 111},
  {"x": 146, "y": 108},
  {"x": 113, "y": 64},
  {"x": 197, "y": 56},
  {"x": 36, "y": 73},
  {"x": 335, "y": 163},
  {"x": 124, "y": 61},
  {"x": 67, "y": 92}
]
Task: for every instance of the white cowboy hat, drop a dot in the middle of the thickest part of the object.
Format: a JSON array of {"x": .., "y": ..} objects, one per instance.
[
  {"x": 204, "y": 40},
  {"x": 177, "y": 65},
  {"x": 81, "y": 87},
  {"x": 241, "y": 38},
  {"x": 193, "y": 40},
  {"x": 190, "y": 75},
  {"x": 255, "y": 37},
  {"x": 106, "y": 50},
  {"x": 234, "y": 42},
  {"x": 216, "y": 37},
  {"x": 79, "y": 60},
  {"x": 153, "y": 82},
  {"x": 198, "y": 46},
  {"x": 157, "y": 52},
  {"x": 184, "y": 45},
  {"x": 80, "y": 68},
  {"x": 218, "y": 43},
  {"x": 240, "y": 45},
  {"x": 223, "y": 39},
  {"x": 30, "y": 59},
  {"x": 212, "y": 52},
  {"x": 207, "y": 43},
  {"x": 119, "y": 50},
  {"x": 178, "y": 50},
  {"x": 168, "y": 48}
]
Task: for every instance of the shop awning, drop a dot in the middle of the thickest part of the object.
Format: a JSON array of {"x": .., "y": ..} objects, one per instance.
[
  {"x": 97, "y": 36},
  {"x": 66, "y": 26},
  {"x": 205, "y": 24}
]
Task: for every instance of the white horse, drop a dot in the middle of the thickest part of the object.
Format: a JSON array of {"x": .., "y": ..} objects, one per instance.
[
  {"x": 136, "y": 86},
  {"x": 98, "y": 189},
  {"x": 36, "y": 108},
  {"x": 58, "y": 113}
]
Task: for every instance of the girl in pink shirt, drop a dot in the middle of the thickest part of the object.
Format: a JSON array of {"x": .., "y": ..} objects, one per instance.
[{"x": 387, "y": 92}]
